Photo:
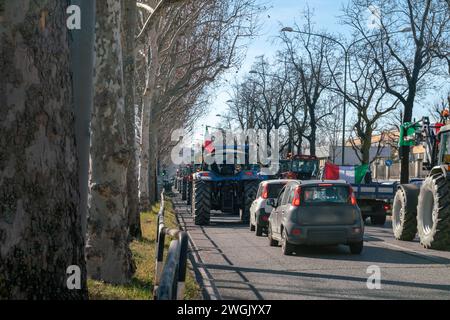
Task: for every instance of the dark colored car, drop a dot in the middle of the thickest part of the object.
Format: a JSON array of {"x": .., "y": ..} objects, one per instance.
[{"x": 316, "y": 213}]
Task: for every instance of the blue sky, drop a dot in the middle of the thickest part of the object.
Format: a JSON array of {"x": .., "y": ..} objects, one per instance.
[{"x": 280, "y": 13}]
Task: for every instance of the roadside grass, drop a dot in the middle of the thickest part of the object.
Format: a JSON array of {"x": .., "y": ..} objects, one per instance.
[{"x": 141, "y": 286}]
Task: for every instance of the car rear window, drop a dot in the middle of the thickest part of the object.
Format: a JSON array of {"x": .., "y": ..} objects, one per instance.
[
  {"x": 274, "y": 189},
  {"x": 325, "y": 194}
]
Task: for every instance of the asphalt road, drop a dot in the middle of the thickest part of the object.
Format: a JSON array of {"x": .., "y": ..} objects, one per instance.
[{"x": 235, "y": 264}]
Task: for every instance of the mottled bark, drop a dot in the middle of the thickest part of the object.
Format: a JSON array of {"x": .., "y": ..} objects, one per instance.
[
  {"x": 129, "y": 23},
  {"x": 40, "y": 226},
  {"x": 144, "y": 190},
  {"x": 153, "y": 156},
  {"x": 108, "y": 255},
  {"x": 144, "y": 158}
]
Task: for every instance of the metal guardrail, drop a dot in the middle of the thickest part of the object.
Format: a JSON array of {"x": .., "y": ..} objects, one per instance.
[{"x": 170, "y": 279}]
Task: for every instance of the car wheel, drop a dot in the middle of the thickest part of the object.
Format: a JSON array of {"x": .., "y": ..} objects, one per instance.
[
  {"x": 286, "y": 247},
  {"x": 357, "y": 247},
  {"x": 252, "y": 226},
  {"x": 259, "y": 230},
  {"x": 378, "y": 220},
  {"x": 272, "y": 242}
]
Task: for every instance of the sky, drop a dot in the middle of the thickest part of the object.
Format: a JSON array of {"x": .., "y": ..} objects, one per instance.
[{"x": 280, "y": 13}]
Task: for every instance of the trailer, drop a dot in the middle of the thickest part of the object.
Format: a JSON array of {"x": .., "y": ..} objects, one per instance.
[{"x": 373, "y": 198}]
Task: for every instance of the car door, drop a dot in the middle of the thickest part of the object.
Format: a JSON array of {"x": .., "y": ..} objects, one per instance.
[
  {"x": 255, "y": 204},
  {"x": 284, "y": 207},
  {"x": 281, "y": 207}
]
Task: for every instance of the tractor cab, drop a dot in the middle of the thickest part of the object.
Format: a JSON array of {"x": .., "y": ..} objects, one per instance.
[
  {"x": 227, "y": 182},
  {"x": 444, "y": 150},
  {"x": 301, "y": 167}
]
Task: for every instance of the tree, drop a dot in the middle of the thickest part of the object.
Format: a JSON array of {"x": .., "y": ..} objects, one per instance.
[
  {"x": 367, "y": 97},
  {"x": 129, "y": 26},
  {"x": 192, "y": 44},
  {"x": 108, "y": 254},
  {"x": 307, "y": 52},
  {"x": 403, "y": 58},
  {"x": 40, "y": 225}
]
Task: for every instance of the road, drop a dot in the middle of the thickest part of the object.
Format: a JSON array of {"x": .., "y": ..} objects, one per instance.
[{"x": 235, "y": 264}]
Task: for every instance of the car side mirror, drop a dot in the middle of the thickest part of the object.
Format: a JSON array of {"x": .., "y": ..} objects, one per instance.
[{"x": 272, "y": 202}]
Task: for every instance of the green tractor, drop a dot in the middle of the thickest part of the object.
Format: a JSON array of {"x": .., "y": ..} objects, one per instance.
[{"x": 425, "y": 209}]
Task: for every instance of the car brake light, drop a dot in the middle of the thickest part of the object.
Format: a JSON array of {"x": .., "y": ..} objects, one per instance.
[
  {"x": 325, "y": 185},
  {"x": 248, "y": 173},
  {"x": 296, "y": 200},
  {"x": 295, "y": 232},
  {"x": 265, "y": 193},
  {"x": 356, "y": 230},
  {"x": 205, "y": 174},
  {"x": 353, "y": 201},
  {"x": 386, "y": 207}
]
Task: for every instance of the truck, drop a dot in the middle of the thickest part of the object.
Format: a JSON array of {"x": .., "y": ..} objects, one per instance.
[
  {"x": 230, "y": 188},
  {"x": 424, "y": 209},
  {"x": 374, "y": 198}
]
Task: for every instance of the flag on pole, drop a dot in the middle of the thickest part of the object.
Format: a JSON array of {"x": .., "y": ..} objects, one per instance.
[
  {"x": 208, "y": 144},
  {"x": 350, "y": 174}
]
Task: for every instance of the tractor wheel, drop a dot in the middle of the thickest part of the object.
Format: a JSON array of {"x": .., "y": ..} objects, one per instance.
[
  {"x": 250, "y": 191},
  {"x": 189, "y": 194},
  {"x": 433, "y": 213},
  {"x": 201, "y": 202},
  {"x": 184, "y": 191},
  {"x": 404, "y": 212}
]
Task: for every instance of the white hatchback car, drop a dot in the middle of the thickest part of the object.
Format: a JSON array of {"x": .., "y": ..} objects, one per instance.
[{"x": 260, "y": 210}]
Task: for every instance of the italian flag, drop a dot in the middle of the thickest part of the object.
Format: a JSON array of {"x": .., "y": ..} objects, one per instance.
[
  {"x": 208, "y": 144},
  {"x": 351, "y": 174}
]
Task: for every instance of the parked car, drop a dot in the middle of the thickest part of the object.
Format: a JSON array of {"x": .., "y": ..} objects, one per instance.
[
  {"x": 259, "y": 209},
  {"x": 316, "y": 212}
]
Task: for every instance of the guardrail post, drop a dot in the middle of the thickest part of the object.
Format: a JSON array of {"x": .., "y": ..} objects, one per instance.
[
  {"x": 159, "y": 257},
  {"x": 182, "y": 265},
  {"x": 170, "y": 279},
  {"x": 160, "y": 239}
]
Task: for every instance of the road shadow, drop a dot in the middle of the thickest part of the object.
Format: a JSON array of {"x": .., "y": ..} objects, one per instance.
[
  {"x": 371, "y": 254},
  {"x": 300, "y": 274}
]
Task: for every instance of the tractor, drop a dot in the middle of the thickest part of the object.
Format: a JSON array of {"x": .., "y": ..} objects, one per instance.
[
  {"x": 230, "y": 188},
  {"x": 425, "y": 209},
  {"x": 185, "y": 178},
  {"x": 301, "y": 167}
]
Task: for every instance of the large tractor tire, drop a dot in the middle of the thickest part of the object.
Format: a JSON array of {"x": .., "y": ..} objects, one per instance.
[
  {"x": 433, "y": 212},
  {"x": 404, "y": 212},
  {"x": 201, "y": 202},
  {"x": 250, "y": 191},
  {"x": 184, "y": 190},
  {"x": 189, "y": 194}
]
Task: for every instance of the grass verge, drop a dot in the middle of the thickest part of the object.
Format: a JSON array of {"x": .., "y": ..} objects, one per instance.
[{"x": 141, "y": 286}]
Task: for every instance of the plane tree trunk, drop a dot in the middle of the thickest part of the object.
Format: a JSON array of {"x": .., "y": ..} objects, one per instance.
[
  {"x": 129, "y": 24},
  {"x": 40, "y": 225},
  {"x": 108, "y": 253}
]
